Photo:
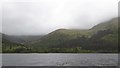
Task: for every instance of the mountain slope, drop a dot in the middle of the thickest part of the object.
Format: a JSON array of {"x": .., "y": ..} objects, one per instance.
[
  {"x": 103, "y": 34},
  {"x": 12, "y": 47},
  {"x": 61, "y": 35},
  {"x": 111, "y": 24},
  {"x": 22, "y": 39},
  {"x": 101, "y": 38}
]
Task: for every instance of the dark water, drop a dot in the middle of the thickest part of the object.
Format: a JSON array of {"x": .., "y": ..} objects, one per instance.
[{"x": 60, "y": 59}]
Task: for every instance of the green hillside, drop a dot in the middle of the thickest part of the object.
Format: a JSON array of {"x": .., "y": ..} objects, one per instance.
[
  {"x": 12, "y": 47},
  {"x": 59, "y": 36},
  {"x": 111, "y": 24},
  {"x": 102, "y": 38}
]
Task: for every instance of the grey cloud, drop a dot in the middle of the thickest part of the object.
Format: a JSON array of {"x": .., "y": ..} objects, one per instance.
[{"x": 33, "y": 17}]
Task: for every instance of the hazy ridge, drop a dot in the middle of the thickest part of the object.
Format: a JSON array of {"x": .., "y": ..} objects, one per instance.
[{"x": 101, "y": 38}]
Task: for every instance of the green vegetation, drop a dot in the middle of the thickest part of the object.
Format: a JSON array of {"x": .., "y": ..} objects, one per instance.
[
  {"x": 63, "y": 50},
  {"x": 102, "y": 38},
  {"x": 11, "y": 47}
]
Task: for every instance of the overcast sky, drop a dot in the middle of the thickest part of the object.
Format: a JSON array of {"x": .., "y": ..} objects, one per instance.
[{"x": 35, "y": 17}]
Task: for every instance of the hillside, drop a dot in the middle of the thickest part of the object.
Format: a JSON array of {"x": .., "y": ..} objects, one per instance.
[
  {"x": 12, "y": 47},
  {"x": 110, "y": 24},
  {"x": 101, "y": 38},
  {"x": 22, "y": 39}
]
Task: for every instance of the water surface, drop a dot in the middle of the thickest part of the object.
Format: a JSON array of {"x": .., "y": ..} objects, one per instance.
[{"x": 60, "y": 59}]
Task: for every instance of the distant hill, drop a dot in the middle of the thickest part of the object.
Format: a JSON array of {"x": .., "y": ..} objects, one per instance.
[
  {"x": 11, "y": 47},
  {"x": 100, "y": 38},
  {"x": 111, "y": 24},
  {"x": 30, "y": 38},
  {"x": 23, "y": 39}
]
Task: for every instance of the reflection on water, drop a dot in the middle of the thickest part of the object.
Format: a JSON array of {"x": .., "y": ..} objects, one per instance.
[{"x": 60, "y": 59}]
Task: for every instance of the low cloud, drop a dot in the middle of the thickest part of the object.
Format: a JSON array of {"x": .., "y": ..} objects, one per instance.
[{"x": 35, "y": 17}]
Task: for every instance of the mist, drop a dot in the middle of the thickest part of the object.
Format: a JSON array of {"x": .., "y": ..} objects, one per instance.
[{"x": 38, "y": 17}]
